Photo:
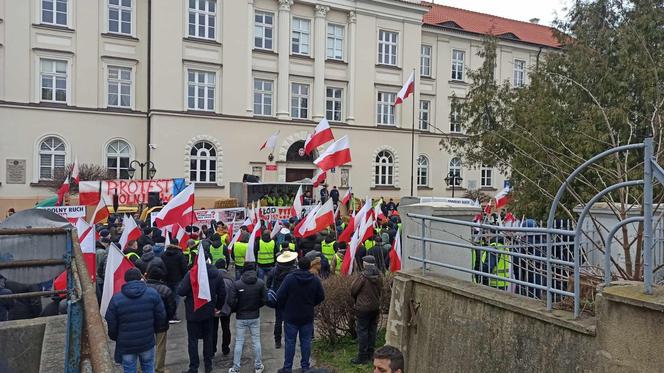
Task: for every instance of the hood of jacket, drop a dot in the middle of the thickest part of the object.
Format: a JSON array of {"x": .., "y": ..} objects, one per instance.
[
  {"x": 371, "y": 273},
  {"x": 134, "y": 289},
  {"x": 146, "y": 257},
  {"x": 303, "y": 277},
  {"x": 249, "y": 277},
  {"x": 172, "y": 250},
  {"x": 283, "y": 270}
]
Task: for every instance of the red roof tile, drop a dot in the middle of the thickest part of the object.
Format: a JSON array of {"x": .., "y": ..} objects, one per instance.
[{"x": 487, "y": 24}]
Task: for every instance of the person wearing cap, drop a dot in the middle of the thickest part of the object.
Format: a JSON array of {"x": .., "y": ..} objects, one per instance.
[
  {"x": 191, "y": 251},
  {"x": 289, "y": 238},
  {"x": 155, "y": 280},
  {"x": 239, "y": 253},
  {"x": 340, "y": 249},
  {"x": 286, "y": 263},
  {"x": 267, "y": 254},
  {"x": 217, "y": 247},
  {"x": 149, "y": 259},
  {"x": 146, "y": 237},
  {"x": 366, "y": 291},
  {"x": 132, "y": 317},
  {"x": 224, "y": 317},
  {"x": 319, "y": 264}
]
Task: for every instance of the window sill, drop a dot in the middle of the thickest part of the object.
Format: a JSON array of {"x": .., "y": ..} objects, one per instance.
[
  {"x": 47, "y": 26},
  {"x": 332, "y": 60},
  {"x": 456, "y": 188},
  {"x": 265, "y": 51},
  {"x": 119, "y": 36},
  {"x": 120, "y": 109},
  {"x": 301, "y": 120},
  {"x": 391, "y": 67},
  {"x": 209, "y": 186},
  {"x": 386, "y": 126},
  {"x": 200, "y": 112},
  {"x": 194, "y": 39},
  {"x": 384, "y": 187},
  {"x": 53, "y": 104},
  {"x": 458, "y": 82},
  {"x": 43, "y": 184},
  {"x": 422, "y": 187},
  {"x": 488, "y": 189},
  {"x": 424, "y": 77},
  {"x": 305, "y": 57}
]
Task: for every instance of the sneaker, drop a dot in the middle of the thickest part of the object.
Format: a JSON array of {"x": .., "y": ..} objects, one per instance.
[
  {"x": 277, "y": 344},
  {"x": 233, "y": 370},
  {"x": 174, "y": 321},
  {"x": 259, "y": 369}
]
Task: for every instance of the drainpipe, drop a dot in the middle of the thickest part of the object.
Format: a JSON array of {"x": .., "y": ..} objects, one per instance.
[
  {"x": 149, "y": 92},
  {"x": 537, "y": 59}
]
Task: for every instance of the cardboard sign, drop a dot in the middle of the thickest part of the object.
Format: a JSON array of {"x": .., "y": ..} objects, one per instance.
[
  {"x": 272, "y": 213},
  {"x": 67, "y": 212},
  {"x": 130, "y": 192}
]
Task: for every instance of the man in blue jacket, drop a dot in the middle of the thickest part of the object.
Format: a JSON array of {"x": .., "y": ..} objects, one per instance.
[
  {"x": 300, "y": 292},
  {"x": 133, "y": 315}
]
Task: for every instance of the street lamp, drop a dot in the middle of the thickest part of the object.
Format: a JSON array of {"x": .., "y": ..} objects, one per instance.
[
  {"x": 151, "y": 169},
  {"x": 453, "y": 179}
]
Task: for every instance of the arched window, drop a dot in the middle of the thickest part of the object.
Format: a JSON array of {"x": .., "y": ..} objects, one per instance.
[
  {"x": 422, "y": 171},
  {"x": 118, "y": 153},
  {"x": 52, "y": 152},
  {"x": 455, "y": 168},
  {"x": 295, "y": 153},
  {"x": 203, "y": 163},
  {"x": 384, "y": 168}
]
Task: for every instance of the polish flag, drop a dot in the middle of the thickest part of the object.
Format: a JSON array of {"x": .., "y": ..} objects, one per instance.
[
  {"x": 349, "y": 256},
  {"x": 178, "y": 208},
  {"x": 116, "y": 267},
  {"x": 337, "y": 154},
  {"x": 74, "y": 171},
  {"x": 271, "y": 142},
  {"x": 200, "y": 285},
  {"x": 64, "y": 189},
  {"x": 323, "y": 218},
  {"x": 181, "y": 235},
  {"x": 509, "y": 218},
  {"x": 346, "y": 198},
  {"x": 236, "y": 237},
  {"x": 322, "y": 134},
  {"x": 130, "y": 231},
  {"x": 319, "y": 178},
  {"x": 367, "y": 229},
  {"x": 101, "y": 212},
  {"x": 378, "y": 211},
  {"x": 347, "y": 233},
  {"x": 297, "y": 203},
  {"x": 250, "y": 256},
  {"x": 407, "y": 89},
  {"x": 86, "y": 239},
  {"x": 395, "y": 254},
  {"x": 276, "y": 229},
  {"x": 307, "y": 223},
  {"x": 361, "y": 215},
  {"x": 503, "y": 197}
]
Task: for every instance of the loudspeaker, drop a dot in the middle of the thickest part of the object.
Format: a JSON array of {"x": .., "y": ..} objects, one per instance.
[
  {"x": 153, "y": 199},
  {"x": 249, "y": 178}
]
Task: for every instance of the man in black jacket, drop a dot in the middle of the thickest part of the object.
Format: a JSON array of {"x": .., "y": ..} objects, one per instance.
[
  {"x": 248, "y": 297},
  {"x": 155, "y": 277},
  {"x": 200, "y": 322},
  {"x": 285, "y": 265},
  {"x": 176, "y": 267}
]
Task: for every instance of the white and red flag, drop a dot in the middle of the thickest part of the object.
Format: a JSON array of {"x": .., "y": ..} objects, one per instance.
[
  {"x": 378, "y": 211},
  {"x": 322, "y": 134},
  {"x": 178, "y": 210},
  {"x": 86, "y": 239},
  {"x": 323, "y": 218},
  {"x": 395, "y": 254},
  {"x": 349, "y": 256},
  {"x": 74, "y": 171},
  {"x": 271, "y": 142},
  {"x": 319, "y": 178},
  {"x": 64, "y": 189},
  {"x": 116, "y": 267},
  {"x": 361, "y": 215},
  {"x": 346, "y": 197},
  {"x": 236, "y": 237},
  {"x": 275, "y": 230},
  {"x": 337, "y": 154},
  {"x": 503, "y": 197},
  {"x": 130, "y": 231},
  {"x": 200, "y": 285},
  {"x": 307, "y": 223},
  {"x": 249, "y": 255},
  {"x": 407, "y": 89},
  {"x": 101, "y": 211},
  {"x": 297, "y": 203},
  {"x": 347, "y": 233}
]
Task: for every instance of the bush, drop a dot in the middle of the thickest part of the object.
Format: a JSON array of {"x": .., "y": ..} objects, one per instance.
[{"x": 335, "y": 317}]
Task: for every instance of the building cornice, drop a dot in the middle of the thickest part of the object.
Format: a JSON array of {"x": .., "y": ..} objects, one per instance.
[{"x": 449, "y": 31}]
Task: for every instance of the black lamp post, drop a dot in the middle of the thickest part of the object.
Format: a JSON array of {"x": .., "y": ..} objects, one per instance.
[
  {"x": 149, "y": 164},
  {"x": 453, "y": 179}
]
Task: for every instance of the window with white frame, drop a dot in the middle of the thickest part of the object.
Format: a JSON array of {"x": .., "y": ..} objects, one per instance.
[
  {"x": 52, "y": 153},
  {"x": 300, "y": 36},
  {"x": 385, "y": 108},
  {"x": 119, "y": 16},
  {"x": 425, "y": 114},
  {"x": 422, "y": 171},
  {"x": 119, "y": 86},
  {"x": 118, "y": 153},
  {"x": 53, "y": 80},
  {"x": 263, "y": 97},
  {"x": 519, "y": 73},
  {"x": 257, "y": 171},
  {"x": 335, "y": 41},
  {"x": 455, "y": 169},
  {"x": 333, "y": 103},
  {"x": 486, "y": 176},
  {"x": 203, "y": 163},
  {"x": 202, "y": 19},
  {"x": 263, "y": 30},
  {"x": 425, "y": 60},
  {"x": 388, "y": 42},
  {"x": 455, "y": 122},
  {"x": 458, "y": 57},
  {"x": 54, "y": 12},
  {"x": 384, "y": 169},
  {"x": 200, "y": 90},
  {"x": 299, "y": 100}
]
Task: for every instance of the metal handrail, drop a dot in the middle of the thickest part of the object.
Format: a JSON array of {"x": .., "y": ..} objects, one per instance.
[{"x": 563, "y": 232}]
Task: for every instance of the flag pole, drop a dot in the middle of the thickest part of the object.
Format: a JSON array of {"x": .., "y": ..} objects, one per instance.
[{"x": 412, "y": 143}]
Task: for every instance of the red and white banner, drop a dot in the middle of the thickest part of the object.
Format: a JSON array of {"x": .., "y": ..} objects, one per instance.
[
  {"x": 130, "y": 192},
  {"x": 67, "y": 212}
]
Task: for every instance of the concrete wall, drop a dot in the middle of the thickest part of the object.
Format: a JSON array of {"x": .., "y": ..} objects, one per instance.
[{"x": 33, "y": 346}]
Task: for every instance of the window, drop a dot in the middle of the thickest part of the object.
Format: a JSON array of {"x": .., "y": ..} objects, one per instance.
[
  {"x": 299, "y": 100},
  {"x": 53, "y": 78},
  {"x": 119, "y": 86},
  {"x": 54, "y": 12},
  {"x": 119, "y": 16},
  {"x": 385, "y": 108},
  {"x": 52, "y": 153},
  {"x": 425, "y": 60},
  {"x": 455, "y": 123},
  {"x": 387, "y": 47},
  {"x": 384, "y": 168},
  {"x": 455, "y": 168},
  {"x": 202, "y": 18},
  {"x": 257, "y": 171},
  {"x": 117, "y": 159},
  {"x": 300, "y": 36},
  {"x": 264, "y": 24},
  {"x": 263, "y": 97},
  {"x": 203, "y": 163},
  {"x": 335, "y": 42},
  {"x": 457, "y": 64},
  {"x": 422, "y": 171},
  {"x": 200, "y": 90},
  {"x": 519, "y": 73},
  {"x": 333, "y": 104},
  {"x": 425, "y": 114},
  {"x": 486, "y": 177}
]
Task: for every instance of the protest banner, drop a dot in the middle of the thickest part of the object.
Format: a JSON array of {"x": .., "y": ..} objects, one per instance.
[
  {"x": 130, "y": 192},
  {"x": 67, "y": 212}
]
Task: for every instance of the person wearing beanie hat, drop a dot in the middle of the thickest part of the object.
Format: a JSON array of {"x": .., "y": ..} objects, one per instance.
[
  {"x": 366, "y": 291},
  {"x": 133, "y": 316},
  {"x": 286, "y": 263},
  {"x": 155, "y": 277},
  {"x": 149, "y": 259}
]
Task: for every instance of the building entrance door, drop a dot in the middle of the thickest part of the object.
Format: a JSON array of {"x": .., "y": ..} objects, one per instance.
[{"x": 297, "y": 174}]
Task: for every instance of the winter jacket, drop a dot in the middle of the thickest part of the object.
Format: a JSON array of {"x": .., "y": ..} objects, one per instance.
[
  {"x": 24, "y": 308},
  {"x": 133, "y": 315},
  {"x": 366, "y": 290},
  {"x": 148, "y": 260},
  {"x": 168, "y": 297},
  {"x": 334, "y": 194},
  {"x": 176, "y": 264},
  {"x": 277, "y": 275},
  {"x": 217, "y": 291},
  {"x": 101, "y": 255},
  {"x": 248, "y": 296},
  {"x": 300, "y": 292},
  {"x": 229, "y": 284}
]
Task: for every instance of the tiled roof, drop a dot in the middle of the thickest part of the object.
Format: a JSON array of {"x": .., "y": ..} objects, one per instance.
[{"x": 481, "y": 23}]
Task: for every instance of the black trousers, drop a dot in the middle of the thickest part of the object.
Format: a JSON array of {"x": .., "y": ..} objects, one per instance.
[
  {"x": 278, "y": 325},
  {"x": 200, "y": 330},
  {"x": 367, "y": 324},
  {"x": 225, "y": 322}
]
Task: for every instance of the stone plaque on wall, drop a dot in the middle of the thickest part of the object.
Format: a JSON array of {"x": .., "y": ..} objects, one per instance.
[{"x": 15, "y": 171}]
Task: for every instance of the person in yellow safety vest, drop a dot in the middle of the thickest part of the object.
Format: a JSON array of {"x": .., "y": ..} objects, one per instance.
[
  {"x": 339, "y": 256},
  {"x": 217, "y": 248},
  {"x": 291, "y": 245},
  {"x": 327, "y": 248},
  {"x": 239, "y": 252},
  {"x": 368, "y": 244},
  {"x": 498, "y": 264},
  {"x": 191, "y": 251},
  {"x": 131, "y": 252},
  {"x": 267, "y": 254}
]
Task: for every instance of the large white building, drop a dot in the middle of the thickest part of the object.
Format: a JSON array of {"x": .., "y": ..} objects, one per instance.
[{"x": 197, "y": 85}]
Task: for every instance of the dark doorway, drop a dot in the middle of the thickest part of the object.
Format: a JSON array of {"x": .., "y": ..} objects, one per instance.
[
  {"x": 297, "y": 174},
  {"x": 296, "y": 153}
]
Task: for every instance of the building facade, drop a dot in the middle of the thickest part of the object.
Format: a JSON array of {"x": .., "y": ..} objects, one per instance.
[{"x": 196, "y": 86}]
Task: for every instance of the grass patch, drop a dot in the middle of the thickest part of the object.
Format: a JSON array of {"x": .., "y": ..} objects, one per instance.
[{"x": 336, "y": 357}]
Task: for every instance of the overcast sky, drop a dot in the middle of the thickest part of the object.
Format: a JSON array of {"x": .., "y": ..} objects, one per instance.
[{"x": 522, "y": 10}]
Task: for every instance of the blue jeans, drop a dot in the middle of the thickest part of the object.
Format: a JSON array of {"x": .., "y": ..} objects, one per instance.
[
  {"x": 146, "y": 358},
  {"x": 241, "y": 326},
  {"x": 306, "y": 333},
  {"x": 263, "y": 271}
]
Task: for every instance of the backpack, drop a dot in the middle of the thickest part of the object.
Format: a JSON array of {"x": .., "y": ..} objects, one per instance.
[{"x": 271, "y": 298}]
